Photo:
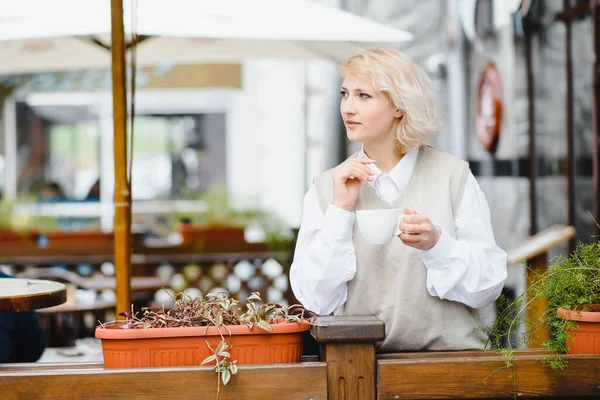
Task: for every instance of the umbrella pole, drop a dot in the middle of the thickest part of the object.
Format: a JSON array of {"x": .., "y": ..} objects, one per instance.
[{"x": 122, "y": 197}]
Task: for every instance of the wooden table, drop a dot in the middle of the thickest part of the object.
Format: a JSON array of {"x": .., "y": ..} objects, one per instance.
[{"x": 30, "y": 294}]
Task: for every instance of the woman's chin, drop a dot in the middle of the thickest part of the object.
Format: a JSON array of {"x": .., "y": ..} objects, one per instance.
[{"x": 354, "y": 136}]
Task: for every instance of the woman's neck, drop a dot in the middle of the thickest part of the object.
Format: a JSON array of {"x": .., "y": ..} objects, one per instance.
[{"x": 385, "y": 155}]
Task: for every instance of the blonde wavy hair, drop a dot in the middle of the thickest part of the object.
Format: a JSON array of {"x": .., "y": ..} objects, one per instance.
[{"x": 408, "y": 88}]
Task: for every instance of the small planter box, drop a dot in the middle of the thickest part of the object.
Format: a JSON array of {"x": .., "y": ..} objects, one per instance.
[
  {"x": 172, "y": 347},
  {"x": 216, "y": 238},
  {"x": 9, "y": 237},
  {"x": 585, "y": 339},
  {"x": 67, "y": 239},
  {"x": 192, "y": 233}
]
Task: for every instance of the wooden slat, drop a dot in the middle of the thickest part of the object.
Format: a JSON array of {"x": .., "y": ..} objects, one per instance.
[
  {"x": 53, "y": 366},
  {"x": 51, "y": 273},
  {"x": 453, "y": 354},
  {"x": 463, "y": 377},
  {"x": 98, "y": 365},
  {"x": 540, "y": 243},
  {"x": 173, "y": 255},
  {"x": 536, "y": 308},
  {"x": 268, "y": 382},
  {"x": 96, "y": 283},
  {"x": 138, "y": 283}
]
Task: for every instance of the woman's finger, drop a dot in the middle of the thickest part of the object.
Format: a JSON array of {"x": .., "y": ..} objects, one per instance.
[
  {"x": 364, "y": 160},
  {"x": 356, "y": 172},
  {"x": 351, "y": 175},
  {"x": 408, "y": 238},
  {"x": 362, "y": 167},
  {"x": 346, "y": 173},
  {"x": 411, "y": 228},
  {"x": 414, "y": 219}
]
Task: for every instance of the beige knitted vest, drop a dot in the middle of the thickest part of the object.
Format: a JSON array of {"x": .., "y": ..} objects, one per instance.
[{"x": 390, "y": 280}]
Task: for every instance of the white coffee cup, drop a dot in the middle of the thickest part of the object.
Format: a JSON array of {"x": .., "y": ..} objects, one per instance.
[{"x": 379, "y": 227}]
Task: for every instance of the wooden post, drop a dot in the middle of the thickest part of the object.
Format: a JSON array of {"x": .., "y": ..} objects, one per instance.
[
  {"x": 122, "y": 198},
  {"x": 537, "y": 308},
  {"x": 349, "y": 350},
  {"x": 534, "y": 253},
  {"x": 570, "y": 119},
  {"x": 531, "y": 129}
]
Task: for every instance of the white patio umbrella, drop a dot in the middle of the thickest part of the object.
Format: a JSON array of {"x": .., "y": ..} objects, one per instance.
[{"x": 41, "y": 35}]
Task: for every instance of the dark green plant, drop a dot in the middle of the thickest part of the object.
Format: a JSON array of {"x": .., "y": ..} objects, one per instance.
[{"x": 571, "y": 282}]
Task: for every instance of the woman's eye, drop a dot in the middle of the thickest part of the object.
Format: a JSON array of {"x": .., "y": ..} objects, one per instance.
[
  {"x": 343, "y": 93},
  {"x": 364, "y": 96}
]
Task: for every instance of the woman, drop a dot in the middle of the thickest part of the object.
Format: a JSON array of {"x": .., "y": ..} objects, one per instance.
[{"x": 426, "y": 284}]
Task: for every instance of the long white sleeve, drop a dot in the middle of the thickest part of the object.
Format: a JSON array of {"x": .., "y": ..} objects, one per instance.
[
  {"x": 324, "y": 259},
  {"x": 470, "y": 269}
]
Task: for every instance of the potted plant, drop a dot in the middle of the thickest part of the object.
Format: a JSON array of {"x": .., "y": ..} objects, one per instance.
[
  {"x": 222, "y": 226},
  {"x": 571, "y": 288},
  {"x": 210, "y": 329},
  {"x": 6, "y": 227},
  {"x": 44, "y": 231},
  {"x": 10, "y": 231}
]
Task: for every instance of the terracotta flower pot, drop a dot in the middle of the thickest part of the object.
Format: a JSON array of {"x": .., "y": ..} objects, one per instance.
[
  {"x": 216, "y": 238},
  {"x": 171, "y": 347},
  {"x": 8, "y": 237},
  {"x": 192, "y": 233},
  {"x": 585, "y": 339},
  {"x": 91, "y": 238}
]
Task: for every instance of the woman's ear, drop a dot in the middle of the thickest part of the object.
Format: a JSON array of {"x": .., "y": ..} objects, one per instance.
[{"x": 398, "y": 114}]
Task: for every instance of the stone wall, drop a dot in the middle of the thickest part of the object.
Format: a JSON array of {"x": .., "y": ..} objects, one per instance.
[{"x": 549, "y": 63}]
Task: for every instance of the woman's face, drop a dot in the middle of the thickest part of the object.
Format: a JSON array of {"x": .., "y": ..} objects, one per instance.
[{"x": 368, "y": 114}]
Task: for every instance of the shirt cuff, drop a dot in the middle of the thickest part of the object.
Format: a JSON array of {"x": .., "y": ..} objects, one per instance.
[
  {"x": 438, "y": 255},
  {"x": 338, "y": 222}
]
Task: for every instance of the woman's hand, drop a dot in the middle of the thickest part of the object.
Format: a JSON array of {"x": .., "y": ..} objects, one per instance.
[
  {"x": 347, "y": 178},
  {"x": 418, "y": 231}
]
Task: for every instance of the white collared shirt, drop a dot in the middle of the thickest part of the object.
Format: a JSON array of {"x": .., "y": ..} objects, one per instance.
[{"x": 470, "y": 269}]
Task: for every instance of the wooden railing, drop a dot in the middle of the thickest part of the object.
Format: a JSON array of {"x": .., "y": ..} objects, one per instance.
[
  {"x": 349, "y": 369},
  {"x": 533, "y": 252}
]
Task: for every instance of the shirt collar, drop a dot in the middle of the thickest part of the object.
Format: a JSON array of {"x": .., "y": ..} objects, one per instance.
[{"x": 401, "y": 171}]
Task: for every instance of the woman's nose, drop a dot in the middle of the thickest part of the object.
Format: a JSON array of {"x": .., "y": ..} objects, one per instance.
[{"x": 348, "y": 107}]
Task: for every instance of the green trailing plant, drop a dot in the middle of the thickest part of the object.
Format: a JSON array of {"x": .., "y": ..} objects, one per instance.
[
  {"x": 218, "y": 310},
  {"x": 224, "y": 367},
  {"x": 572, "y": 283}
]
